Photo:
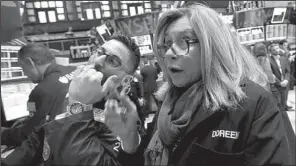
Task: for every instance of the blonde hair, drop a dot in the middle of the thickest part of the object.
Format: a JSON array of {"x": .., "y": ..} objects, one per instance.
[{"x": 225, "y": 63}]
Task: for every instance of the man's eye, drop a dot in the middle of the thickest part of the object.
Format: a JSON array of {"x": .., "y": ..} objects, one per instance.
[{"x": 113, "y": 61}]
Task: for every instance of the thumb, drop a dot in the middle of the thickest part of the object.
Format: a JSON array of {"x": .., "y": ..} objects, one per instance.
[{"x": 110, "y": 83}]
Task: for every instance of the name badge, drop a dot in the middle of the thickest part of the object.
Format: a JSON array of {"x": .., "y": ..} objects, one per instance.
[
  {"x": 225, "y": 134},
  {"x": 31, "y": 107}
]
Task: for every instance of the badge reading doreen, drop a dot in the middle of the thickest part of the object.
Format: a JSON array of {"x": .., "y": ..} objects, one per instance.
[
  {"x": 46, "y": 150},
  {"x": 99, "y": 115}
]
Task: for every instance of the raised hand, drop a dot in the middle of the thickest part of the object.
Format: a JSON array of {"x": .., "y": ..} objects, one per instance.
[
  {"x": 122, "y": 118},
  {"x": 86, "y": 86}
]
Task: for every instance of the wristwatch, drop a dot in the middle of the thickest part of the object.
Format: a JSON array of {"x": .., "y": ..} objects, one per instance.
[{"x": 77, "y": 107}]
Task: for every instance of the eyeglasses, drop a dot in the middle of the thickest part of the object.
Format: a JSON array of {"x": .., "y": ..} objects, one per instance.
[
  {"x": 179, "y": 47},
  {"x": 112, "y": 60}
]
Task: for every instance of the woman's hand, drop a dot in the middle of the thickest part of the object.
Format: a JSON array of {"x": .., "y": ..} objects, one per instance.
[{"x": 122, "y": 118}]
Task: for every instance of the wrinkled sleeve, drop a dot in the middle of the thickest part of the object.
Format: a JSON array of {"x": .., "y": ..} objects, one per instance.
[
  {"x": 44, "y": 105},
  {"x": 268, "y": 142},
  {"x": 29, "y": 153},
  {"x": 137, "y": 158}
]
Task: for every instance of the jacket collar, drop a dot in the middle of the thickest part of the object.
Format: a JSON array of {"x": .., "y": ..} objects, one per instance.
[{"x": 51, "y": 69}]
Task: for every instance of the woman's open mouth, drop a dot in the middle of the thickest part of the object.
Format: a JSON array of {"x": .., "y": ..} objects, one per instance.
[{"x": 175, "y": 69}]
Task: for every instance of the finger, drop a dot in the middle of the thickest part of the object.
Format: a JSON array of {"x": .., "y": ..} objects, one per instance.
[
  {"x": 110, "y": 105},
  {"x": 111, "y": 112},
  {"x": 78, "y": 70},
  {"x": 110, "y": 83},
  {"x": 125, "y": 100},
  {"x": 95, "y": 76},
  {"x": 85, "y": 70},
  {"x": 90, "y": 72}
]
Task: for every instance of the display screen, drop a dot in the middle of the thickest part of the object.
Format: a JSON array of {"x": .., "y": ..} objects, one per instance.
[{"x": 14, "y": 99}]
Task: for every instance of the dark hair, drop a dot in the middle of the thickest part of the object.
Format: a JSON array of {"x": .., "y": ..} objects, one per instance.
[
  {"x": 127, "y": 41},
  {"x": 39, "y": 53},
  {"x": 283, "y": 41}
]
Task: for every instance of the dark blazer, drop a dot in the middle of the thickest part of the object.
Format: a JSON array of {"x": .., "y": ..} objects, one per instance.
[
  {"x": 46, "y": 98},
  {"x": 76, "y": 140},
  {"x": 285, "y": 66},
  {"x": 251, "y": 134},
  {"x": 149, "y": 74}
]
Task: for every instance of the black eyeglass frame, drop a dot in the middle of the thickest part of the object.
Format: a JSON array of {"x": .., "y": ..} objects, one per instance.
[
  {"x": 100, "y": 51},
  {"x": 165, "y": 47}
]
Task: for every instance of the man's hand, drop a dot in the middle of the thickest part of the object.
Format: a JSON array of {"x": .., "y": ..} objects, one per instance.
[
  {"x": 122, "y": 118},
  {"x": 284, "y": 83},
  {"x": 86, "y": 85}
]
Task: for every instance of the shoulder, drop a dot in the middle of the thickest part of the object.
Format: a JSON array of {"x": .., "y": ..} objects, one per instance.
[
  {"x": 258, "y": 100},
  {"x": 40, "y": 91},
  {"x": 68, "y": 69},
  {"x": 254, "y": 90}
]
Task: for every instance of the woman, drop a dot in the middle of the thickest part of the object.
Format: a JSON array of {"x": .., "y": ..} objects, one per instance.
[
  {"x": 260, "y": 52},
  {"x": 215, "y": 110}
]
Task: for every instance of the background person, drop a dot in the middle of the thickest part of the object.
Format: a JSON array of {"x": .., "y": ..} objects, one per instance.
[
  {"x": 150, "y": 75},
  {"x": 214, "y": 87},
  {"x": 260, "y": 53},
  {"x": 281, "y": 71},
  {"x": 46, "y": 99}
]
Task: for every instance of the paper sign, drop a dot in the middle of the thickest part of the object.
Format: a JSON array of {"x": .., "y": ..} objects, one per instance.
[{"x": 278, "y": 15}]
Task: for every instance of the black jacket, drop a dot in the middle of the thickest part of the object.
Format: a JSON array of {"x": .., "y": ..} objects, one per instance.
[
  {"x": 251, "y": 134},
  {"x": 285, "y": 67},
  {"x": 46, "y": 99},
  {"x": 74, "y": 140},
  {"x": 149, "y": 74}
]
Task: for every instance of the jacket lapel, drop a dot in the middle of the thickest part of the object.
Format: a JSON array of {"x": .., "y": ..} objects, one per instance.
[
  {"x": 283, "y": 65},
  {"x": 275, "y": 68}
]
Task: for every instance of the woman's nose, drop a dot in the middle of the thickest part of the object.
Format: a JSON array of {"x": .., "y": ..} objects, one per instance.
[{"x": 170, "y": 54}]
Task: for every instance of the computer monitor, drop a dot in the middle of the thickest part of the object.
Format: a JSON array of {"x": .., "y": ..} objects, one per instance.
[{"x": 14, "y": 97}]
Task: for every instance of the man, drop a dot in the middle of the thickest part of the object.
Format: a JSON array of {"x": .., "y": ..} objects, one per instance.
[
  {"x": 150, "y": 75},
  {"x": 284, "y": 52},
  {"x": 82, "y": 138},
  {"x": 281, "y": 70},
  {"x": 45, "y": 100},
  {"x": 284, "y": 48}
]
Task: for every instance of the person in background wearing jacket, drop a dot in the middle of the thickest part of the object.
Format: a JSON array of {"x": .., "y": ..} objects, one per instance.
[
  {"x": 285, "y": 52},
  {"x": 215, "y": 110},
  {"x": 260, "y": 53},
  {"x": 79, "y": 136},
  {"x": 281, "y": 70},
  {"x": 149, "y": 74},
  {"x": 46, "y": 99}
]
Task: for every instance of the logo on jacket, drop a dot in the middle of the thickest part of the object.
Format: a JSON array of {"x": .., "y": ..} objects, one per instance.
[
  {"x": 225, "y": 134},
  {"x": 66, "y": 78},
  {"x": 63, "y": 80}
]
